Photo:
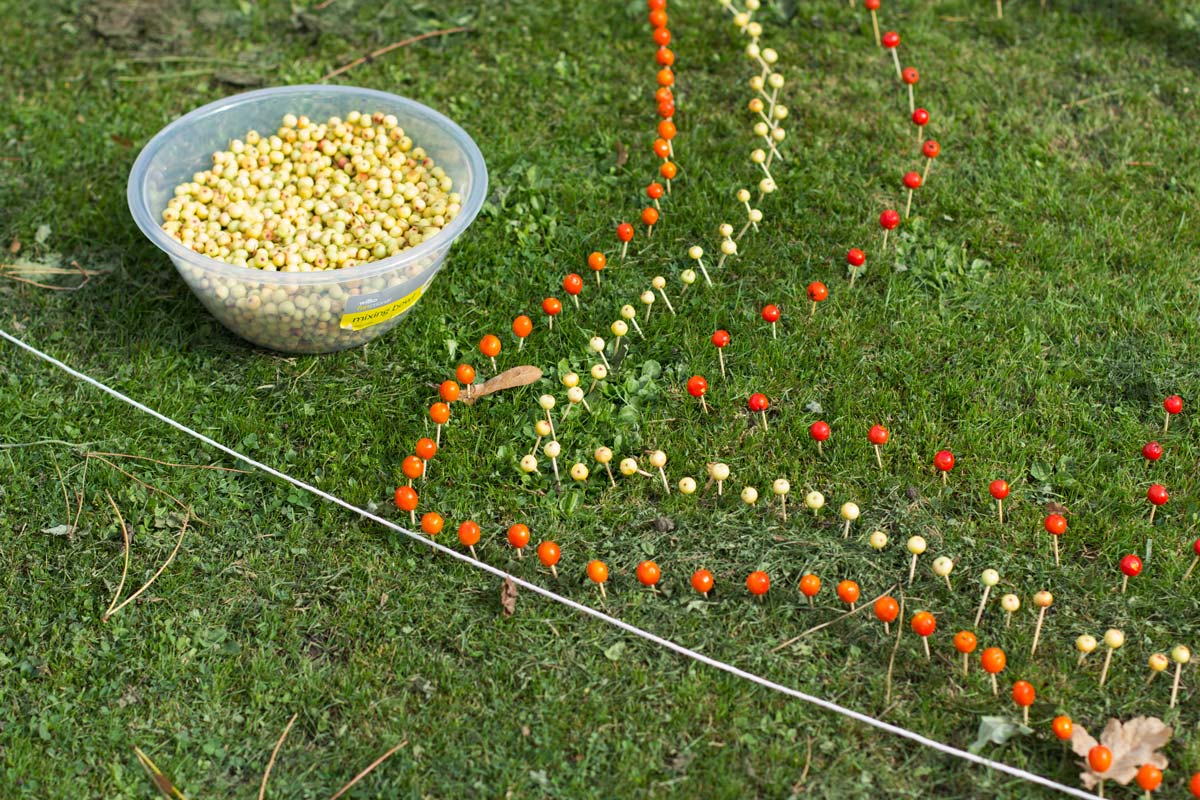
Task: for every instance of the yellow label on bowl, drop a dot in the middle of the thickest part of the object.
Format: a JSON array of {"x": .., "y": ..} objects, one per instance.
[{"x": 357, "y": 320}]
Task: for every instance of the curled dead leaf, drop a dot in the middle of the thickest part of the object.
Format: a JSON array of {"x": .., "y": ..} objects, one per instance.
[
  {"x": 509, "y": 379},
  {"x": 1133, "y": 744},
  {"x": 1055, "y": 507},
  {"x": 508, "y": 597}
]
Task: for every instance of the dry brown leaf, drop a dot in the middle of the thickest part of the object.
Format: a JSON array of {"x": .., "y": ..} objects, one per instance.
[
  {"x": 508, "y": 597},
  {"x": 1133, "y": 744},
  {"x": 510, "y": 378},
  {"x": 1055, "y": 507},
  {"x": 622, "y": 155}
]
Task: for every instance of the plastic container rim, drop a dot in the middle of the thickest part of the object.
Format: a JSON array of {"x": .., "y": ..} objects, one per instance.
[{"x": 146, "y": 220}]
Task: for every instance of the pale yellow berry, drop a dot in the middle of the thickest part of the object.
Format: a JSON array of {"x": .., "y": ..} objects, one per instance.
[
  {"x": 579, "y": 472},
  {"x": 687, "y": 485},
  {"x": 1085, "y": 643},
  {"x": 749, "y": 495},
  {"x": 878, "y": 540},
  {"x": 916, "y": 545}
]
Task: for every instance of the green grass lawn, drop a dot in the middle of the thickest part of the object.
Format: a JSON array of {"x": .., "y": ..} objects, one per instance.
[{"x": 1046, "y": 305}]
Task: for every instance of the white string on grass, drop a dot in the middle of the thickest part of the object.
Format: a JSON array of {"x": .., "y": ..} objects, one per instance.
[{"x": 686, "y": 652}]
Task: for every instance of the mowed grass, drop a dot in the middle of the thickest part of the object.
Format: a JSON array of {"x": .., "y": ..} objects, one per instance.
[{"x": 1046, "y": 306}]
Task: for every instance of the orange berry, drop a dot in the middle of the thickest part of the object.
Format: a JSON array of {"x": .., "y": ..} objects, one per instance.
[
  {"x": 522, "y": 326},
  {"x": 625, "y": 232},
  {"x": 439, "y": 413},
  {"x": 432, "y": 522},
  {"x": 1194, "y": 785},
  {"x": 649, "y": 215},
  {"x": 993, "y": 660},
  {"x": 572, "y": 284},
  {"x": 597, "y": 261},
  {"x": 923, "y": 623},
  {"x": 549, "y": 554},
  {"x": 1023, "y": 693},
  {"x": 665, "y": 57},
  {"x": 666, "y": 109},
  {"x": 449, "y": 391},
  {"x": 809, "y": 585},
  {"x": 661, "y": 148},
  {"x": 468, "y": 534},
  {"x": 648, "y": 573},
  {"x": 465, "y": 374},
  {"x": 597, "y": 571},
  {"x": 886, "y": 609},
  {"x": 426, "y": 448},
  {"x": 413, "y": 467},
  {"x": 406, "y": 498},
  {"x": 965, "y": 642},
  {"x": 1063, "y": 727},
  {"x": 552, "y": 306},
  {"x": 1149, "y": 777},
  {"x": 654, "y": 191},
  {"x": 666, "y": 129},
  {"x": 658, "y": 18},
  {"x": 518, "y": 535},
  {"x": 1100, "y": 759},
  {"x": 663, "y": 94},
  {"x": 668, "y": 170},
  {"x": 662, "y": 36},
  {"x": 490, "y": 345},
  {"x": 758, "y": 582},
  {"x": 847, "y": 591},
  {"x": 666, "y": 77},
  {"x": 702, "y": 581}
]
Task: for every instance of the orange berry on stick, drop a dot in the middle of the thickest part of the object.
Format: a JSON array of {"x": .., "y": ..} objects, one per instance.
[
  {"x": 597, "y": 260},
  {"x": 406, "y": 500},
  {"x": 522, "y": 326},
  {"x": 847, "y": 592},
  {"x": 573, "y": 285},
  {"x": 448, "y": 391},
  {"x": 490, "y": 346},
  {"x": 649, "y": 218},
  {"x": 465, "y": 374},
  {"x": 965, "y": 642},
  {"x": 518, "y": 537},
  {"x": 1062, "y": 727},
  {"x": 817, "y": 293},
  {"x": 758, "y": 583},
  {"x": 702, "y": 581},
  {"x": 625, "y": 234},
  {"x": 1023, "y": 695},
  {"x": 810, "y": 585},
  {"x": 668, "y": 170},
  {"x": 549, "y": 553},
  {"x": 413, "y": 468},
  {"x": 432, "y": 522},
  {"x": 648, "y": 574},
  {"x": 931, "y": 150},
  {"x": 924, "y": 624},
  {"x": 886, "y": 611},
  {"x": 662, "y": 36},
  {"x": 597, "y": 572},
  {"x": 993, "y": 661},
  {"x": 665, "y": 57},
  {"x": 1099, "y": 759},
  {"x": 440, "y": 414},
  {"x": 468, "y": 536},
  {"x": 552, "y": 308},
  {"x": 1149, "y": 777},
  {"x": 655, "y": 192}
]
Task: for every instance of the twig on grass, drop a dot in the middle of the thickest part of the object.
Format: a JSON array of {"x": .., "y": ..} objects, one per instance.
[
  {"x": 887, "y": 697},
  {"x": 374, "y": 54},
  {"x": 62, "y": 484},
  {"x": 814, "y": 629},
  {"x": 262, "y": 790},
  {"x": 161, "y": 781},
  {"x": 10, "y": 271},
  {"x": 173, "y": 498},
  {"x": 98, "y": 454},
  {"x": 154, "y": 577},
  {"x": 368, "y": 770},
  {"x": 1086, "y": 100},
  {"x": 124, "y": 570},
  {"x": 82, "y": 493}
]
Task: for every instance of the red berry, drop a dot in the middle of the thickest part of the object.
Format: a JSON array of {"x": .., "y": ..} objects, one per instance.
[
  {"x": 1152, "y": 451},
  {"x": 912, "y": 180},
  {"x": 820, "y": 431},
  {"x": 662, "y": 37},
  {"x": 572, "y": 284},
  {"x": 931, "y": 149},
  {"x": 758, "y": 583},
  {"x": 1173, "y": 404},
  {"x": 944, "y": 460},
  {"x": 697, "y": 386},
  {"x": 891, "y": 39},
  {"x": 625, "y": 232},
  {"x": 910, "y": 75},
  {"x": 1196, "y": 547},
  {"x": 1131, "y": 565},
  {"x": 1056, "y": 524},
  {"x": 856, "y": 257},
  {"x": 1157, "y": 494},
  {"x": 889, "y": 219},
  {"x": 758, "y": 402},
  {"x": 770, "y": 313},
  {"x": 920, "y": 117},
  {"x": 878, "y": 434},
  {"x": 817, "y": 291},
  {"x": 998, "y": 489},
  {"x": 721, "y": 338},
  {"x": 871, "y": 5}
]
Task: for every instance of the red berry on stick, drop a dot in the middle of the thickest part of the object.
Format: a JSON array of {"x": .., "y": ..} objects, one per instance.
[
  {"x": 912, "y": 182},
  {"x": 625, "y": 234},
  {"x": 770, "y": 313},
  {"x": 891, "y": 41},
  {"x": 888, "y": 220},
  {"x": 1056, "y": 526},
  {"x": 910, "y": 76},
  {"x": 999, "y": 490},
  {"x": 819, "y": 431},
  {"x": 1131, "y": 567},
  {"x": 817, "y": 293},
  {"x": 758, "y": 403},
  {"x": 573, "y": 285},
  {"x": 697, "y": 387},
  {"x": 878, "y": 435},
  {"x": 944, "y": 461},
  {"x": 855, "y": 258},
  {"x": 1173, "y": 405},
  {"x": 655, "y": 192},
  {"x": 1195, "y": 561},
  {"x": 1157, "y": 495},
  {"x": 721, "y": 340},
  {"x": 873, "y": 6},
  {"x": 553, "y": 307},
  {"x": 1152, "y": 451},
  {"x": 931, "y": 150},
  {"x": 920, "y": 119}
]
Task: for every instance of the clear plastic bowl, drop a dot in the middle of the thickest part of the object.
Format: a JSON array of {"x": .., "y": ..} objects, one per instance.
[{"x": 303, "y": 312}]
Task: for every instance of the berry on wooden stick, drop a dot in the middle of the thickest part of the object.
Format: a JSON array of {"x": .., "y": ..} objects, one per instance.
[
  {"x": 1085, "y": 643},
  {"x": 993, "y": 661},
  {"x": 522, "y": 326},
  {"x": 931, "y": 150},
  {"x": 878, "y": 436},
  {"x": 815, "y": 501},
  {"x": 702, "y": 581},
  {"x": 719, "y": 473},
  {"x": 855, "y": 258},
  {"x": 1157, "y": 495},
  {"x": 849, "y": 512},
  {"x": 649, "y": 219},
  {"x": 942, "y": 567},
  {"x": 819, "y": 431},
  {"x": 758, "y": 583},
  {"x": 604, "y": 455},
  {"x": 597, "y": 262},
  {"x": 847, "y": 592},
  {"x": 697, "y": 387},
  {"x": 943, "y": 461},
  {"x": 629, "y": 314},
  {"x": 912, "y": 182},
  {"x": 1056, "y": 526},
  {"x": 625, "y": 235},
  {"x": 770, "y": 313},
  {"x": 596, "y": 343},
  {"x": 518, "y": 537},
  {"x": 924, "y": 624},
  {"x": 655, "y": 192},
  {"x": 889, "y": 220},
  {"x": 1131, "y": 567},
  {"x": 490, "y": 346},
  {"x": 965, "y": 642},
  {"x": 658, "y": 460},
  {"x": 597, "y": 572},
  {"x": 810, "y": 585},
  {"x": 1172, "y": 405},
  {"x": 873, "y": 6},
  {"x": 720, "y": 340},
  {"x": 758, "y": 403},
  {"x": 1195, "y": 561},
  {"x": 468, "y": 536},
  {"x": 891, "y": 41},
  {"x": 647, "y": 298},
  {"x": 910, "y": 76},
  {"x": 886, "y": 611},
  {"x": 573, "y": 285},
  {"x": 1180, "y": 655},
  {"x": 1152, "y": 451},
  {"x": 1113, "y": 639},
  {"x": 781, "y": 487},
  {"x": 999, "y": 490},
  {"x": 749, "y": 495},
  {"x": 916, "y": 545},
  {"x": 660, "y": 283},
  {"x": 920, "y": 119},
  {"x": 1011, "y": 605},
  {"x": 648, "y": 574},
  {"x": 989, "y": 578},
  {"x": 406, "y": 500},
  {"x": 817, "y": 293},
  {"x": 1149, "y": 777},
  {"x": 1024, "y": 695},
  {"x": 549, "y": 554},
  {"x": 439, "y": 413},
  {"x": 1043, "y": 600},
  {"x": 552, "y": 308},
  {"x": 696, "y": 253},
  {"x": 1099, "y": 758}
]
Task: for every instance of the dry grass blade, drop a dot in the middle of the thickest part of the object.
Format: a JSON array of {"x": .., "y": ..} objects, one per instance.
[
  {"x": 393, "y": 46},
  {"x": 13, "y": 272},
  {"x": 833, "y": 621},
  {"x": 124, "y": 570},
  {"x": 182, "y": 505},
  {"x": 98, "y": 454},
  {"x": 161, "y": 781},
  {"x": 367, "y": 771},
  {"x": 262, "y": 790},
  {"x": 154, "y": 577}
]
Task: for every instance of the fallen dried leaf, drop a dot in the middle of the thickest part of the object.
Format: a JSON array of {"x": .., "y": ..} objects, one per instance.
[
  {"x": 508, "y": 597},
  {"x": 1055, "y": 507},
  {"x": 1133, "y": 744},
  {"x": 509, "y": 379}
]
